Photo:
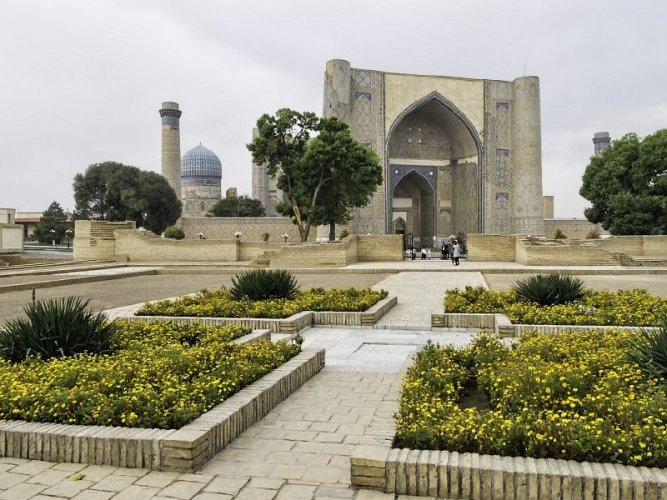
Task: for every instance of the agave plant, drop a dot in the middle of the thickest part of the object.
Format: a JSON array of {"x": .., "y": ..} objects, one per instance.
[
  {"x": 649, "y": 351},
  {"x": 550, "y": 289},
  {"x": 56, "y": 328},
  {"x": 262, "y": 284}
]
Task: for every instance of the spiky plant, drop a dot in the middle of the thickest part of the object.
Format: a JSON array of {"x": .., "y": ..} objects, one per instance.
[
  {"x": 56, "y": 328},
  {"x": 550, "y": 289},
  {"x": 263, "y": 284},
  {"x": 649, "y": 351}
]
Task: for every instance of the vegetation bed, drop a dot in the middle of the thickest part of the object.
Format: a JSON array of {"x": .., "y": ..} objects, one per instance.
[
  {"x": 620, "y": 308},
  {"x": 159, "y": 375},
  {"x": 220, "y": 304},
  {"x": 569, "y": 396}
]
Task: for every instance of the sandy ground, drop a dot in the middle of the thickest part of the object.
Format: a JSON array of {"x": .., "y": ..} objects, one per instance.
[{"x": 126, "y": 291}]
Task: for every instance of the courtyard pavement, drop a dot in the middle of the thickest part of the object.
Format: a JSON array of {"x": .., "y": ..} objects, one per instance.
[{"x": 301, "y": 449}]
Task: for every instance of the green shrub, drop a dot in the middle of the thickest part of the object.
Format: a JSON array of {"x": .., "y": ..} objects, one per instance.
[
  {"x": 265, "y": 237},
  {"x": 559, "y": 235},
  {"x": 550, "y": 289},
  {"x": 56, "y": 328},
  {"x": 263, "y": 284},
  {"x": 174, "y": 233},
  {"x": 344, "y": 234},
  {"x": 649, "y": 351},
  {"x": 593, "y": 234}
]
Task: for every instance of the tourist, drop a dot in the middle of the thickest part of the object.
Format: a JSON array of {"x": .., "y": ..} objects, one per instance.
[
  {"x": 414, "y": 253},
  {"x": 443, "y": 251},
  {"x": 428, "y": 253},
  {"x": 423, "y": 253},
  {"x": 456, "y": 253}
]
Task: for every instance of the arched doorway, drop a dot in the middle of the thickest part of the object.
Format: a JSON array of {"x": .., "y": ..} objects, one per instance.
[
  {"x": 413, "y": 202},
  {"x": 434, "y": 164}
]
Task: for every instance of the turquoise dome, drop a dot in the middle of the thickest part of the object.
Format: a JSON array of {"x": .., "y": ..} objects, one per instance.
[{"x": 201, "y": 162}]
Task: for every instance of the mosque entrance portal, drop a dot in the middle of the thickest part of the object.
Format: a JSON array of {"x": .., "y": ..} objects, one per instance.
[{"x": 434, "y": 163}]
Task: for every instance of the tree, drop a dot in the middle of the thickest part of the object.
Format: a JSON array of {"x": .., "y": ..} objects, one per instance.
[
  {"x": 54, "y": 218},
  {"x": 241, "y": 206},
  {"x": 627, "y": 185},
  {"x": 322, "y": 178},
  {"x": 115, "y": 192}
]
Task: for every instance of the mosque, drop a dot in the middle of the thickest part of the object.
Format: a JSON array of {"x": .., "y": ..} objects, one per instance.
[{"x": 459, "y": 155}]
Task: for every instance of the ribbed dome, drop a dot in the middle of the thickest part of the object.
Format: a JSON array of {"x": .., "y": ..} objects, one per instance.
[{"x": 201, "y": 162}]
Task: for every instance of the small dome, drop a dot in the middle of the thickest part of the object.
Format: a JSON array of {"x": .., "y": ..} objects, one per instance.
[{"x": 201, "y": 162}]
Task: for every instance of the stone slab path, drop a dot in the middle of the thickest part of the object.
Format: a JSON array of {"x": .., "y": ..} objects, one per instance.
[{"x": 301, "y": 449}]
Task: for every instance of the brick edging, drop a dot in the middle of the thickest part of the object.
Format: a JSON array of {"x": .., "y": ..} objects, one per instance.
[
  {"x": 292, "y": 324},
  {"x": 445, "y": 474},
  {"x": 502, "y": 325},
  {"x": 185, "y": 449}
]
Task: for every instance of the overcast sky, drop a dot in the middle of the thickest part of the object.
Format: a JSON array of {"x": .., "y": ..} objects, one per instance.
[{"x": 81, "y": 81}]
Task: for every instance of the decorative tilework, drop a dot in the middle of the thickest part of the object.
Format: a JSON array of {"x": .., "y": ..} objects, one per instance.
[
  {"x": 502, "y": 212},
  {"x": 501, "y": 167}
]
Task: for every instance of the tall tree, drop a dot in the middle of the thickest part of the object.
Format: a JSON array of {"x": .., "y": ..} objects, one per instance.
[
  {"x": 627, "y": 185},
  {"x": 237, "y": 206},
  {"x": 53, "y": 219},
  {"x": 322, "y": 178},
  {"x": 115, "y": 192}
]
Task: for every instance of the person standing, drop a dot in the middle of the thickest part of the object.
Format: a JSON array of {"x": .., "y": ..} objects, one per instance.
[
  {"x": 443, "y": 251},
  {"x": 456, "y": 253}
]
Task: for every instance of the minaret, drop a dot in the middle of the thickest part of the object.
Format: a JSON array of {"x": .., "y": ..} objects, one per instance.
[
  {"x": 171, "y": 145},
  {"x": 600, "y": 142}
]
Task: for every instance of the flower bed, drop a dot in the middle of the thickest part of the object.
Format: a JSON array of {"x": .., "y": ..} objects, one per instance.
[
  {"x": 622, "y": 308},
  {"x": 160, "y": 375},
  {"x": 566, "y": 397},
  {"x": 220, "y": 304}
]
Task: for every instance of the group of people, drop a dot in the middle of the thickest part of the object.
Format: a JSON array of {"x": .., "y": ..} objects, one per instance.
[
  {"x": 451, "y": 250},
  {"x": 448, "y": 250}
]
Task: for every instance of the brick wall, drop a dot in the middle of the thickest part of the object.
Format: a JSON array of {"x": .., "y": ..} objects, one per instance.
[
  {"x": 251, "y": 228},
  {"x": 338, "y": 253},
  {"x": 491, "y": 247},
  {"x": 572, "y": 228},
  {"x": 544, "y": 254},
  {"x": 95, "y": 239},
  {"x": 134, "y": 246},
  {"x": 380, "y": 247}
]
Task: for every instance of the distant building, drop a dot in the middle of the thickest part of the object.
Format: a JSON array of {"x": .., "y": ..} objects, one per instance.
[
  {"x": 201, "y": 177},
  {"x": 29, "y": 221},
  {"x": 601, "y": 141},
  {"x": 265, "y": 188},
  {"x": 11, "y": 234}
]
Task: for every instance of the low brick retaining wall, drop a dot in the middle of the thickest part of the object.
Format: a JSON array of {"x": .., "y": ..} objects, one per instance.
[
  {"x": 502, "y": 325},
  {"x": 446, "y": 474},
  {"x": 184, "y": 450},
  {"x": 292, "y": 324}
]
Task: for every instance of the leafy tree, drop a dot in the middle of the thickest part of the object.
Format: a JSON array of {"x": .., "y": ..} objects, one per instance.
[
  {"x": 237, "y": 206},
  {"x": 627, "y": 185},
  {"x": 322, "y": 178},
  {"x": 53, "y": 218},
  {"x": 115, "y": 192}
]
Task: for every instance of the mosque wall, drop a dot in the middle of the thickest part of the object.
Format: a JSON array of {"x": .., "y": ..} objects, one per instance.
[{"x": 401, "y": 91}]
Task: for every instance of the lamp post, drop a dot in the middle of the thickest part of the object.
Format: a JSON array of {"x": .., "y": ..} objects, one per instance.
[
  {"x": 52, "y": 232},
  {"x": 285, "y": 236},
  {"x": 68, "y": 235}
]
